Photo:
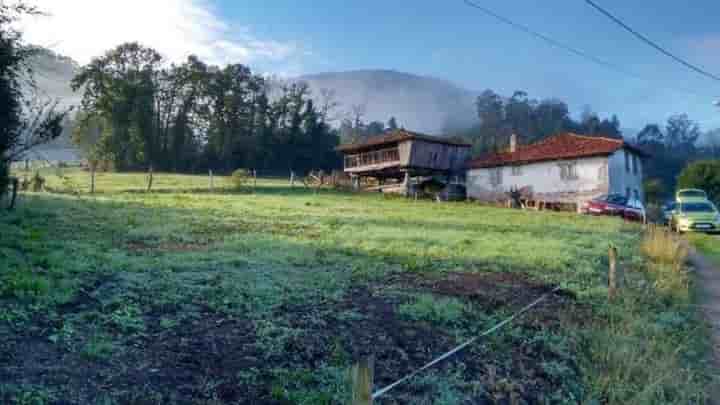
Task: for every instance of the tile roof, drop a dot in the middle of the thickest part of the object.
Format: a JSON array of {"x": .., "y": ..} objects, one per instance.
[
  {"x": 397, "y": 136},
  {"x": 557, "y": 147}
]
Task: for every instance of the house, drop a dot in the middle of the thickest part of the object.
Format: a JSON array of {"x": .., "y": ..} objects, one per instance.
[
  {"x": 562, "y": 169},
  {"x": 403, "y": 156}
]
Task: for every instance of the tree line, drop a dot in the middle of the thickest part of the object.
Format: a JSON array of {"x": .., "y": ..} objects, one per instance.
[
  {"x": 139, "y": 113},
  {"x": 530, "y": 119}
]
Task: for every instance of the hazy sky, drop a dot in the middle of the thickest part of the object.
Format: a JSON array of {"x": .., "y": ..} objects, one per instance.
[{"x": 441, "y": 38}]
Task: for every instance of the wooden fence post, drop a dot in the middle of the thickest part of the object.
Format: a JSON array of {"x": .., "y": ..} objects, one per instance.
[
  {"x": 612, "y": 273},
  {"x": 292, "y": 178},
  {"x": 212, "y": 180},
  {"x": 254, "y": 181},
  {"x": 362, "y": 382}
]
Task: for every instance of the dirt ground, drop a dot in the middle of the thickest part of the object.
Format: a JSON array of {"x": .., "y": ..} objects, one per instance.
[
  {"x": 708, "y": 278},
  {"x": 201, "y": 359}
]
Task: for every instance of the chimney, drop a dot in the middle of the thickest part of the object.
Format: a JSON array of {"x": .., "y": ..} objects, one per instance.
[{"x": 513, "y": 143}]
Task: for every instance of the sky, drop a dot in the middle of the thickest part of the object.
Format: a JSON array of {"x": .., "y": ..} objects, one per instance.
[{"x": 440, "y": 38}]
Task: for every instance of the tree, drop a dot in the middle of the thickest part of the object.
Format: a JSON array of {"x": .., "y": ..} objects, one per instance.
[
  {"x": 654, "y": 190},
  {"x": 392, "y": 124},
  {"x": 375, "y": 128},
  {"x": 703, "y": 174},
  {"x": 122, "y": 87},
  {"x": 651, "y": 135},
  {"x": 88, "y": 135},
  {"x": 681, "y": 134},
  {"x": 26, "y": 119}
]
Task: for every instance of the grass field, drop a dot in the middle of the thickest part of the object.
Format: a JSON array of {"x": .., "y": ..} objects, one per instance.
[
  {"x": 708, "y": 245},
  {"x": 185, "y": 295}
]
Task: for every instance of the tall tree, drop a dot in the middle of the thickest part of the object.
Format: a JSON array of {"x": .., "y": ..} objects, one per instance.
[
  {"x": 681, "y": 133},
  {"x": 26, "y": 118},
  {"x": 122, "y": 87}
]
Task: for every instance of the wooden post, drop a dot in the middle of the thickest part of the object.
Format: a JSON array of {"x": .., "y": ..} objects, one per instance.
[
  {"x": 150, "y": 179},
  {"x": 292, "y": 178},
  {"x": 254, "y": 180},
  {"x": 362, "y": 380},
  {"x": 612, "y": 273},
  {"x": 212, "y": 180}
]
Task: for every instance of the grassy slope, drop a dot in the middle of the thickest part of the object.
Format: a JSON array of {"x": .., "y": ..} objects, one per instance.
[{"x": 223, "y": 297}]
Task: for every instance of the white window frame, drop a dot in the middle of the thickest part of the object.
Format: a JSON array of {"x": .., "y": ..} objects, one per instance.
[
  {"x": 496, "y": 176},
  {"x": 568, "y": 171},
  {"x": 517, "y": 170}
]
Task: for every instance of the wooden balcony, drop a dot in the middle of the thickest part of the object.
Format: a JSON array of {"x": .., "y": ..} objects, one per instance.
[{"x": 372, "y": 160}]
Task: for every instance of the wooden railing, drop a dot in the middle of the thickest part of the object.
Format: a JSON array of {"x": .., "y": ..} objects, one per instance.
[{"x": 372, "y": 158}]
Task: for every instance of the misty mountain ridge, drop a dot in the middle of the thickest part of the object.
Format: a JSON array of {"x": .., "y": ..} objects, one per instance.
[{"x": 421, "y": 103}]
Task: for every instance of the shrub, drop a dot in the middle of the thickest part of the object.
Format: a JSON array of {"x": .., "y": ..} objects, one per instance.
[
  {"x": 662, "y": 246},
  {"x": 240, "y": 178},
  {"x": 37, "y": 182},
  {"x": 705, "y": 175},
  {"x": 429, "y": 308}
]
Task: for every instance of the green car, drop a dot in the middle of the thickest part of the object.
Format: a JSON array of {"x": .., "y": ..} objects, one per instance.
[
  {"x": 691, "y": 195},
  {"x": 695, "y": 216}
]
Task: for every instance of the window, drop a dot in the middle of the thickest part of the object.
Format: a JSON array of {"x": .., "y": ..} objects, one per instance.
[
  {"x": 517, "y": 171},
  {"x": 603, "y": 172},
  {"x": 568, "y": 171},
  {"x": 496, "y": 176},
  {"x": 627, "y": 193},
  {"x": 636, "y": 194}
]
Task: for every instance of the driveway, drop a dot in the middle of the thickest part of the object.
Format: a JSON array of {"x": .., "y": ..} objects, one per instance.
[{"x": 708, "y": 279}]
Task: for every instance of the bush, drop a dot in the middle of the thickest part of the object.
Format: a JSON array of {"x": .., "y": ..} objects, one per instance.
[
  {"x": 240, "y": 178},
  {"x": 427, "y": 307},
  {"x": 37, "y": 182},
  {"x": 705, "y": 175}
]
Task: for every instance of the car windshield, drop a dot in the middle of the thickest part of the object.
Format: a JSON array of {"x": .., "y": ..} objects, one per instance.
[
  {"x": 692, "y": 194},
  {"x": 617, "y": 199},
  {"x": 697, "y": 207}
]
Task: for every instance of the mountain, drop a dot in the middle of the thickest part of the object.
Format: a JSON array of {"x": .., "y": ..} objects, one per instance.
[
  {"x": 53, "y": 74},
  {"x": 419, "y": 103}
]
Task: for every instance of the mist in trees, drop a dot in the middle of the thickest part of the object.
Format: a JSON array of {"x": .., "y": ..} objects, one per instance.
[
  {"x": 139, "y": 113},
  {"x": 530, "y": 119},
  {"x": 672, "y": 147}
]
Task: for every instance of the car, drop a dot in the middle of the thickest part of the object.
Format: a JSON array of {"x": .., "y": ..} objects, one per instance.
[
  {"x": 690, "y": 194},
  {"x": 611, "y": 204},
  {"x": 695, "y": 216},
  {"x": 634, "y": 211},
  {"x": 667, "y": 211},
  {"x": 617, "y": 205}
]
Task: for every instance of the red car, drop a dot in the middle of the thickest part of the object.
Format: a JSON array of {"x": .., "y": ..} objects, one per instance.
[{"x": 616, "y": 205}]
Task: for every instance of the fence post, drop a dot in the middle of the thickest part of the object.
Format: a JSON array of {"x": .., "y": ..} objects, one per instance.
[
  {"x": 254, "y": 181},
  {"x": 212, "y": 180},
  {"x": 362, "y": 382},
  {"x": 612, "y": 273},
  {"x": 292, "y": 178}
]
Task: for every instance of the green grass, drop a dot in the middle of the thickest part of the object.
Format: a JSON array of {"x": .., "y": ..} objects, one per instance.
[
  {"x": 708, "y": 245},
  {"x": 185, "y": 295}
]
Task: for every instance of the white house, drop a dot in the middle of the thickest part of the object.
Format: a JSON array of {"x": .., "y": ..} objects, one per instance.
[{"x": 565, "y": 168}]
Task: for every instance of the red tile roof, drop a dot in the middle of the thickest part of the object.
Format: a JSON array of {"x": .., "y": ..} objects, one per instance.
[
  {"x": 557, "y": 147},
  {"x": 397, "y": 136}
]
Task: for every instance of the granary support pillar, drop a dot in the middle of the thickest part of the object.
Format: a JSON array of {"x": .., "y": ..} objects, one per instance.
[{"x": 406, "y": 184}]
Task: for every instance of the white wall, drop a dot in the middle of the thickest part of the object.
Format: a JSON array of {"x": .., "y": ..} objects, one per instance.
[
  {"x": 621, "y": 179},
  {"x": 544, "y": 180}
]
